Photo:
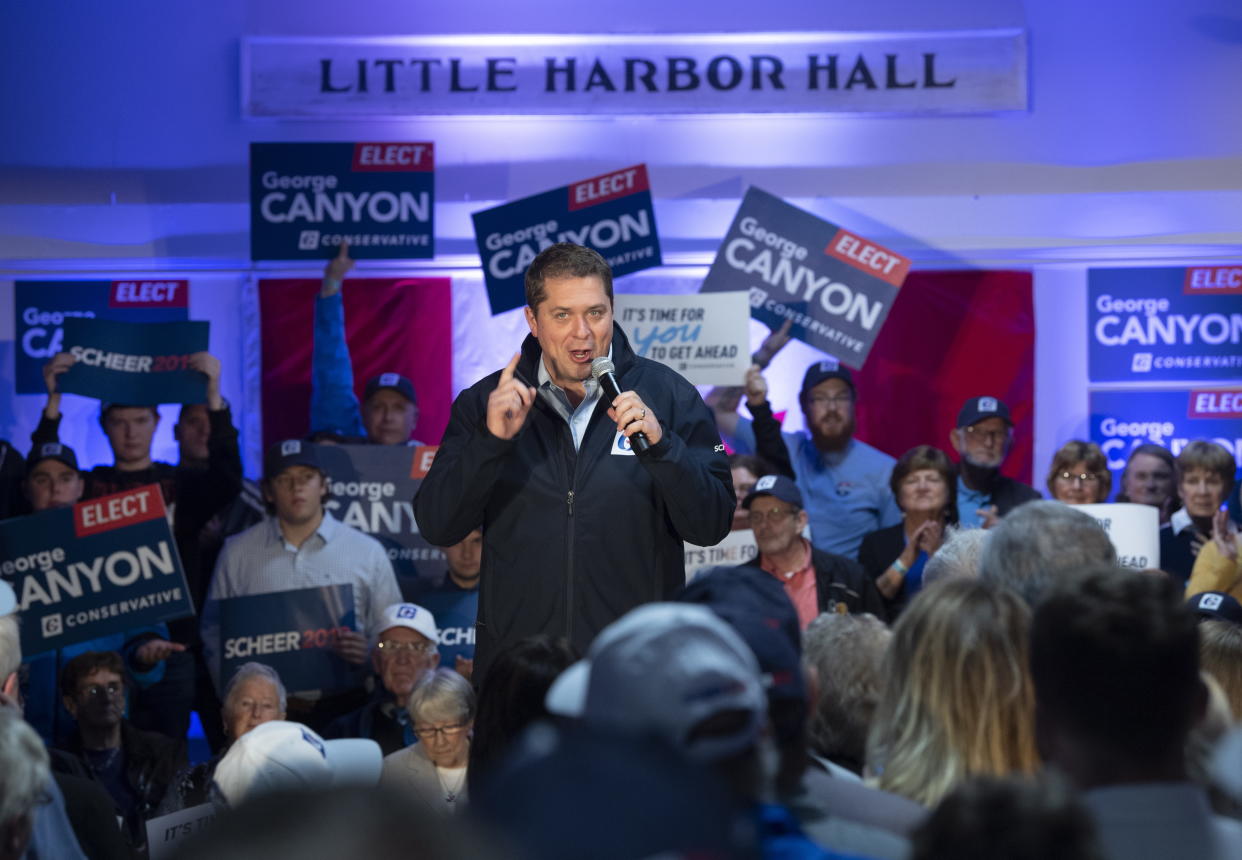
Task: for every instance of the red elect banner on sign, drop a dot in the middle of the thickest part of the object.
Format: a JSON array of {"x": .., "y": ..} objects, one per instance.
[
  {"x": 424, "y": 455},
  {"x": 868, "y": 257},
  {"x": 149, "y": 294},
  {"x": 394, "y": 157},
  {"x": 609, "y": 186},
  {"x": 1215, "y": 403},
  {"x": 1213, "y": 281},
  {"x": 118, "y": 510}
]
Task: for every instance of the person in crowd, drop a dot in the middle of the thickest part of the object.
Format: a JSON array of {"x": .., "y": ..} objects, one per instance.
[
  {"x": 52, "y": 832},
  {"x": 303, "y": 546},
  {"x": 924, "y": 483},
  {"x": 845, "y": 481},
  {"x": 136, "y": 767},
  {"x": 53, "y": 481},
  {"x": 759, "y": 611},
  {"x": 956, "y": 700},
  {"x": 815, "y": 581},
  {"x": 389, "y": 411},
  {"x": 845, "y": 653},
  {"x": 442, "y": 708},
  {"x": 746, "y": 469},
  {"x": 525, "y": 462},
  {"x": 681, "y": 675},
  {"x": 1041, "y": 543},
  {"x": 982, "y": 439},
  {"x": 281, "y": 756},
  {"x": 1220, "y": 655},
  {"x": 736, "y": 431},
  {"x": 404, "y": 653},
  {"x": 1205, "y": 472},
  {"x": 253, "y": 696},
  {"x": 1079, "y": 474},
  {"x": 195, "y": 491},
  {"x": 1218, "y": 566},
  {"x": 1101, "y": 642},
  {"x": 960, "y": 555},
  {"x": 1148, "y": 479},
  {"x": 454, "y": 601},
  {"x": 24, "y": 763},
  {"x": 511, "y": 698},
  {"x": 1017, "y": 819}
]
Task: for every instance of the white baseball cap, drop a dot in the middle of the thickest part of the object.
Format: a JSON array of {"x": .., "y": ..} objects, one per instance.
[
  {"x": 285, "y": 756},
  {"x": 665, "y": 668},
  {"x": 409, "y": 615}
]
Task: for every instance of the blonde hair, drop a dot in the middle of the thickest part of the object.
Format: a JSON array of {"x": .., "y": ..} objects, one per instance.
[
  {"x": 1220, "y": 655},
  {"x": 957, "y": 699}
]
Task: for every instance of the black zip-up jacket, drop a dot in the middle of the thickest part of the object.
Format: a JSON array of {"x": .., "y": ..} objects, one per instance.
[{"x": 572, "y": 540}]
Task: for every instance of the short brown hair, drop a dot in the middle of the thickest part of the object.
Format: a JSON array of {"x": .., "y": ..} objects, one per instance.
[
  {"x": 564, "y": 260},
  {"x": 85, "y": 664},
  {"x": 1078, "y": 451},
  {"x": 1220, "y": 655},
  {"x": 1202, "y": 454},
  {"x": 927, "y": 457}
]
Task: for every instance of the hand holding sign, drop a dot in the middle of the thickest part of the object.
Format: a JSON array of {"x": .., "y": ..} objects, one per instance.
[
  {"x": 756, "y": 387},
  {"x": 509, "y": 403},
  {"x": 60, "y": 362},
  {"x": 334, "y": 274},
  {"x": 208, "y": 365},
  {"x": 351, "y": 646},
  {"x": 156, "y": 651}
]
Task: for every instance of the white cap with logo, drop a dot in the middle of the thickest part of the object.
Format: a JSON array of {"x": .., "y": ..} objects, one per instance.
[{"x": 409, "y": 615}]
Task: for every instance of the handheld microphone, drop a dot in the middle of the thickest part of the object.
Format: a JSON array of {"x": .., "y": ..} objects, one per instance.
[{"x": 603, "y": 370}]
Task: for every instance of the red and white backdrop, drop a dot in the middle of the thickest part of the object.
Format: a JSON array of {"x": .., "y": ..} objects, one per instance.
[{"x": 951, "y": 335}]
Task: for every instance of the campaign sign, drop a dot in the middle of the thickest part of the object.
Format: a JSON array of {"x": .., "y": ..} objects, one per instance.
[
  {"x": 166, "y": 834},
  {"x": 1165, "y": 324},
  {"x": 308, "y": 198},
  {"x": 41, "y": 308},
  {"x": 455, "y": 611},
  {"x": 703, "y": 336},
  {"x": 141, "y": 364},
  {"x": 96, "y": 568},
  {"x": 611, "y": 213},
  {"x": 295, "y": 632},
  {"x": 1123, "y": 420},
  {"x": 738, "y": 547},
  {"x": 372, "y": 487},
  {"x": 836, "y": 286},
  {"x": 1134, "y": 531}
]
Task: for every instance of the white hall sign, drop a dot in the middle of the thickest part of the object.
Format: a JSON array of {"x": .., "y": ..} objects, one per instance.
[{"x": 917, "y": 72}]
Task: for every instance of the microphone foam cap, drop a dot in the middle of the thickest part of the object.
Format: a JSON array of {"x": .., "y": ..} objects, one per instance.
[{"x": 602, "y": 365}]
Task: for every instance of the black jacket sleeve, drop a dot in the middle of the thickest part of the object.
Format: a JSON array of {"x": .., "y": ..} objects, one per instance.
[
  {"x": 451, "y": 500},
  {"x": 769, "y": 444},
  {"x": 48, "y": 430},
  {"x": 691, "y": 471}
]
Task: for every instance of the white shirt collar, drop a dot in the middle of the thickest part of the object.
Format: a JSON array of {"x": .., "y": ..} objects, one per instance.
[{"x": 1180, "y": 521}]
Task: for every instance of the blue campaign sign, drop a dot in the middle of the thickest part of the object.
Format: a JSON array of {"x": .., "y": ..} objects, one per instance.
[
  {"x": 294, "y": 632},
  {"x": 96, "y": 568},
  {"x": 41, "y": 308},
  {"x": 1123, "y": 420},
  {"x": 371, "y": 488},
  {"x": 611, "y": 213},
  {"x": 835, "y": 286},
  {"x": 455, "y": 611},
  {"x": 1159, "y": 324},
  {"x": 307, "y": 198},
  {"x": 141, "y": 364}
]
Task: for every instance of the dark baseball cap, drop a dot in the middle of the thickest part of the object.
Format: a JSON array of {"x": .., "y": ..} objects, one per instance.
[
  {"x": 395, "y": 381},
  {"x": 52, "y": 451},
  {"x": 1216, "y": 606},
  {"x": 290, "y": 452},
  {"x": 977, "y": 409},
  {"x": 822, "y": 371},
  {"x": 777, "y": 486}
]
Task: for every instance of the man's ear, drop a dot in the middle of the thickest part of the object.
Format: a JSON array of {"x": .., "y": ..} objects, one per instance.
[
  {"x": 953, "y": 440},
  {"x": 532, "y": 322},
  {"x": 9, "y": 687}
]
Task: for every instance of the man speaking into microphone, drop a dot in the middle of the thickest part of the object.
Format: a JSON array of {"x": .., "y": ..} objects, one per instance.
[{"x": 580, "y": 524}]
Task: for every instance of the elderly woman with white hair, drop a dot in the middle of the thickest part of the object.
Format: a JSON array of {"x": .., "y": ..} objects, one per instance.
[
  {"x": 253, "y": 696},
  {"x": 24, "y": 778},
  {"x": 442, "y": 708}
]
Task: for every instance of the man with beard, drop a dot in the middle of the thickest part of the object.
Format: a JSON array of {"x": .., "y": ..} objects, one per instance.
[
  {"x": 982, "y": 438},
  {"x": 844, "y": 480}
]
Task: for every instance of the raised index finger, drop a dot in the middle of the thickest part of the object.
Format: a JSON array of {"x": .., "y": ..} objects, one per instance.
[{"x": 507, "y": 374}]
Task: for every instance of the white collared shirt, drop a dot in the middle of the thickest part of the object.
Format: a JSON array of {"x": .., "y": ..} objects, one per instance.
[{"x": 579, "y": 418}]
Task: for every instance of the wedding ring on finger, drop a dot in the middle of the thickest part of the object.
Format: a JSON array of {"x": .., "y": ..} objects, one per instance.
[{"x": 642, "y": 414}]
